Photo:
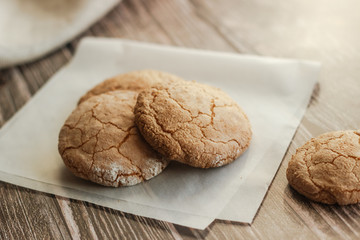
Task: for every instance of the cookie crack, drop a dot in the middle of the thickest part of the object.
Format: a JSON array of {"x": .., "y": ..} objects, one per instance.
[
  {"x": 72, "y": 128},
  {"x": 77, "y": 147},
  {"x": 126, "y": 175},
  {"x": 212, "y": 115},
  {"x": 343, "y": 155},
  {"x": 308, "y": 170},
  {"x": 81, "y": 133},
  {"x": 351, "y": 190},
  {"x": 358, "y": 134},
  {"x": 161, "y": 126},
  {"x": 128, "y": 131},
  {"x": 327, "y": 141},
  {"x": 212, "y": 112},
  {"x": 177, "y": 102},
  {"x": 119, "y": 173},
  {"x": 192, "y": 118},
  {"x": 321, "y": 190},
  {"x": 169, "y": 133},
  {"x": 201, "y": 113},
  {"x": 82, "y": 143},
  {"x": 132, "y": 163},
  {"x": 223, "y": 142},
  {"x": 116, "y": 179},
  {"x": 331, "y": 162},
  {"x": 157, "y": 120},
  {"x": 140, "y": 174},
  {"x": 77, "y": 122},
  {"x": 352, "y": 172},
  {"x": 111, "y": 123},
  {"x": 82, "y": 115},
  {"x": 95, "y": 145}
]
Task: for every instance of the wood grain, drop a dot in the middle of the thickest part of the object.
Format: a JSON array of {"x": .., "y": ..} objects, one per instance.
[{"x": 326, "y": 31}]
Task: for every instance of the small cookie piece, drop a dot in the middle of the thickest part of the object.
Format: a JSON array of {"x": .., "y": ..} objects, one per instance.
[
  {"x": 193, "y": 123},
  {"x": 134, "y": 81},
  {"x": 100, "y": 142},
  {"x": 326, "y": 169}
]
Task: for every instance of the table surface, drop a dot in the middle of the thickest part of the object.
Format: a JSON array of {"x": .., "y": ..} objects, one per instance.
[{"x": 325, "y": 31}]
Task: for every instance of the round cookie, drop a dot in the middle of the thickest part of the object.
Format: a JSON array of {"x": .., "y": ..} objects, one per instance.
[
  {"x": 100, "y": 142},
  {"x": 134, "y": 81},
  {"x": 193, "y": 123},
  {"x": 326, "y": 169}
]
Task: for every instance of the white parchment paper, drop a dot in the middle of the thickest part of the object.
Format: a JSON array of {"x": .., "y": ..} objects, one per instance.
[{"x": 273, "y": 92}]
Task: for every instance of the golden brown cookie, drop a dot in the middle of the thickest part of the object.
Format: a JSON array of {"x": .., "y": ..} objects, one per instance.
[
  {"x": 327, "y": 168},
  {"x": 134, "y": 81},
  {"x": 193, "y": 123},
  {"x": 100, "y": 142}
]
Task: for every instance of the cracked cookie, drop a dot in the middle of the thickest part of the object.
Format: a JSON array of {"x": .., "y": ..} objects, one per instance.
[
  {"x": 134, "y": 81},
  {"x": 326, "y": 169},
  {"x": 193, "y": 123},
  {"x": 100, "y": 142}
]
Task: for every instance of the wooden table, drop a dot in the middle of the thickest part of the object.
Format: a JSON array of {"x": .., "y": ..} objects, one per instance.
[{"x": 323, "y": 30}]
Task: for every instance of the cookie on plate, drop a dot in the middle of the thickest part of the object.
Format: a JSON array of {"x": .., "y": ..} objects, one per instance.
[
  {"x": 193, "y": 123},
  {"x": 134, "y": 81},
  {"x": 326, "y": 169},
  {"x": 100, "y": 142}
]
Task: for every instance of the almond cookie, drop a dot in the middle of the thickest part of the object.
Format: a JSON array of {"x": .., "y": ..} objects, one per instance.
[
  {"x": 134, "y": 81},
  {"x": 100, "y": 142},
  {"x": 193, "y": 123},
  {"x": 327, "y": 168}
]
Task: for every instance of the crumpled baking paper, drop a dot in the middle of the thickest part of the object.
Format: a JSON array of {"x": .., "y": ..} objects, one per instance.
[{"x": 273, "y": 92}]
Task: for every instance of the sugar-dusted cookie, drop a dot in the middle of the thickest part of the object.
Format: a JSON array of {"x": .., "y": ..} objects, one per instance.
[
  {"x": 100, "y": 142},
  {"x": 327, "y": 168},
  {"x": 135, "y": 81},
  {"x": 193, "y": 123}
]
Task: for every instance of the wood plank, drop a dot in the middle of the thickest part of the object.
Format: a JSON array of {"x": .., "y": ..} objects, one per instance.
[
  {"x": 185, "y": 28},
  {"x": 210, "y": 16},
  {"x": 77, "y": 219},
  {"x": 41, "y": 212},
  {"x": 38, "y": 72},
  {"x": 18, "y": 88},
  {"x": 27, "y": 214},
  {"x": 131, "y": 21},
  {"x": 7, "y": 106},
  {"x": 14, "y": 221},
  {"x": 91, "y": 221}
]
